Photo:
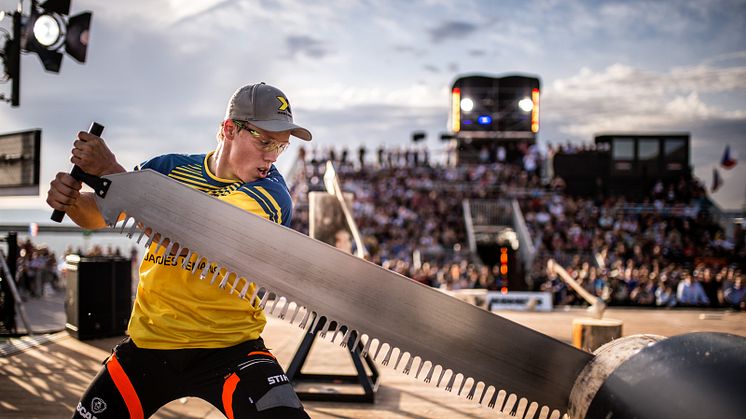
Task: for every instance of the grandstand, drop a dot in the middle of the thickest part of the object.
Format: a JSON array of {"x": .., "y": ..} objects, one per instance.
[
  {"x": 419, "y": 220},
  {"x": 493, "y": 219}
]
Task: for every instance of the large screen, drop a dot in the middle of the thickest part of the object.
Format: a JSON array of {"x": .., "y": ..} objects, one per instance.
[
  {"x": 500, "y": 107},
  {"x": 19, "y": 163}
]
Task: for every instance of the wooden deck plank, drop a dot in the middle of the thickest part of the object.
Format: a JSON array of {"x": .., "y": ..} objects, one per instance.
[{"x": 46, "y": 381}]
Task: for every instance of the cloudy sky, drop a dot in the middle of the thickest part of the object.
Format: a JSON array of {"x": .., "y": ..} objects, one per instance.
[{"x": 159, "y": 72}]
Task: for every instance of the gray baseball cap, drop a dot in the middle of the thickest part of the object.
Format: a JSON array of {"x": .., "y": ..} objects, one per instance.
[{"x": 266, "y": 107}]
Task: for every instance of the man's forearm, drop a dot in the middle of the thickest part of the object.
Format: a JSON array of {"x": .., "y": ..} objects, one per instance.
[{"x": 85, "y": 213}]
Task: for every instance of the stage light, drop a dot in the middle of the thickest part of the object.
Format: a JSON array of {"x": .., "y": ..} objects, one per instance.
[
  {"x": 45, "y": 31},
  {"x": 526, "y": 104},
  {"x": 467, "y": 104},
  {"x": 48, "y": 28},
  {"x": 456, "y": 110}
]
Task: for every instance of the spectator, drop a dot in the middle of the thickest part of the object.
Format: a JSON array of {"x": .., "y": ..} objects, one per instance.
[
  {"x": 665, "y": 296},
  {"x": 691, "y": 293},
  {"x": 735, "y": 294}
]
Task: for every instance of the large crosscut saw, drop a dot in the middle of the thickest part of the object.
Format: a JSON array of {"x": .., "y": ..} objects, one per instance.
[{"x": 418, "y": 329}]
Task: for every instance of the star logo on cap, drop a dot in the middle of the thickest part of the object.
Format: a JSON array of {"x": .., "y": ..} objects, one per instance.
[{"x": 284, "y": 105}]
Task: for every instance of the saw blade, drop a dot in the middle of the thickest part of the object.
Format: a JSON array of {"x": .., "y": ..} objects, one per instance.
[{"x": 398, "y": 320}]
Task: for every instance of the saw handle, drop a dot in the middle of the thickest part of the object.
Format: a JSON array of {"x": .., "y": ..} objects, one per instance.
[{"x": 78, "y": 173}]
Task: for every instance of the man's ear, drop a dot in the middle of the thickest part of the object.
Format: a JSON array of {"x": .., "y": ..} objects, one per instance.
[{"x": 229, "y": 129}]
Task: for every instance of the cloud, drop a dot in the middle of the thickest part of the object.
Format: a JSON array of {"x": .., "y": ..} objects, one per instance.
[
  {"x": 626, "y": 96},
  {"x": 408, "y": 49},
  {"x": 451, "y": 30},
  {"x": 306, "y": 45}
]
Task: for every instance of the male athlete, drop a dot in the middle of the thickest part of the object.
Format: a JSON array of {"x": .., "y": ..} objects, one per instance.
[{"x": 186, "y": 337}]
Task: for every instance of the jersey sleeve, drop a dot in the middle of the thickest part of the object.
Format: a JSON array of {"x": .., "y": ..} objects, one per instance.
[{"x": 161, "y": 164}]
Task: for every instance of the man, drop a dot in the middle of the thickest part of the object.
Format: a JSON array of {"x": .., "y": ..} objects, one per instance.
[
  {"x": 689, "y": 292},
  {"x": 735, "y": 294},
  {"x": 186, "y": 337}
]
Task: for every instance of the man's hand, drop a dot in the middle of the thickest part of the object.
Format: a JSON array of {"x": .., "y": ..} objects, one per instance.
[
  {"x": 91, "y": 154},
  {"x": 64, "y": 192}
]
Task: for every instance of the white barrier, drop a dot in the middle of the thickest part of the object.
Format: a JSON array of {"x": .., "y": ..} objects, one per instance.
[{"x": 520, "y": 301}]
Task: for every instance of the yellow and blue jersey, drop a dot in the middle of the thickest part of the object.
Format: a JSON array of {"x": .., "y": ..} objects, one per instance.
[{"x": 174, "y": 308}]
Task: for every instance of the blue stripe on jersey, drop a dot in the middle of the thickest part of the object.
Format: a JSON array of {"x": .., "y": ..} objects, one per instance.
[
  {"x": 189, "y": 169},
  {"x": 260, "y": 199}
]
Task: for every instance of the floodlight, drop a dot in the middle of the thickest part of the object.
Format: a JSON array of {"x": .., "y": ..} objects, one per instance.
[
  {"x": 526, "y": 104},
  {"x": 47, "y": 30}
]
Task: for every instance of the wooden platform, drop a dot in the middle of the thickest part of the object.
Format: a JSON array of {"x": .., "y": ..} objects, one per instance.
[{"x": 46, "y": 378}]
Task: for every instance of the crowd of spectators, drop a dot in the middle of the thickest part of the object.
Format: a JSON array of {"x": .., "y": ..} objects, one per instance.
[
  {"x": 410, "y": 213},
  {"x": 39, "y": 271},
  {"x": 658, "y": 252}
]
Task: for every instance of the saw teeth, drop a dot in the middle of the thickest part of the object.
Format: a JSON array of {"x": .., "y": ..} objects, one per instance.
[
  {"x": 284, "y": 310},
  {"x": 332, "y": 326},
  {"x": 197, "y": 262},
  {"x": 398, "y": 359},
  {"x": 430, "y": 374},
  {"x": 295, "y": 313},
  {"x": 142, "y": 233},
  {"x": 158, "y": 246},
  {"x": 132, "y": 230},
  {"x": 236, "y": 280},
  {"x": 451, "y": 381},
  {"x": 323, "y": 327},
  {"x": 124, "y": 224},
  {"x": 356, "y": 343},
  {"x": 419, "y": 368},
  {"x": 215, "y": 275},
  {"x": 461, "y": 387},
  {"x": 408, "y": 366},
  {"x": 314, "y": 323},
  {"x": 345, "y": 337},
  {"x": 245, "y": 289},
  {"x": 150, "y": 239},
  {"x": 387, "y": 358},
  {"x": 264, "y": 299},
  {"x": 473, "y": 389},
  {"x": 186, "y": 259},
  {"x": 205, "y": 271},
  {"x": 440, "y": 378},
  {"x": 277, "y": 304},
  {"x": 303, "y": 322},
  {"x": 378, "y": 349},
  {"x": 497, "y": 397},
  {"x": 366, "y": 348},
  {"x": 225, "y": 279},
  {"x": 509, "y": 404},
  {"x": 254, "y": 294}
]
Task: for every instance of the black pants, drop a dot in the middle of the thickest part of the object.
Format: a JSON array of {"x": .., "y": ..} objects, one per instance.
[{"x": 243, "y": 381}]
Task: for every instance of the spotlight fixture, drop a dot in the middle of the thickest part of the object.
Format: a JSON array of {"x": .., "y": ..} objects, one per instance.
[
  {"x": 48, "y": 28},
  {"x": 46, "y": 31},
  {"x": 526, "y": 104}
]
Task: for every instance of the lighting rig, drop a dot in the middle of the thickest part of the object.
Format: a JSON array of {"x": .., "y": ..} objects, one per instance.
[{"x": 46, "y": 30}]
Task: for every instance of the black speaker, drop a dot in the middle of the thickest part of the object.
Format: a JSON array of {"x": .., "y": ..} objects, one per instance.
[{"x": 99, "y": 296}]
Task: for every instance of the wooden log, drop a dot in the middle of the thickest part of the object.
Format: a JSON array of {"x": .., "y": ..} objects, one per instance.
[{"x": 590, "y": 334}]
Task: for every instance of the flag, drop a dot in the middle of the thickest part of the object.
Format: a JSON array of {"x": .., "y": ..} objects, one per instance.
[
  {"x": 717, "y": 181},
  {"x": 727, "y": 161}
]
